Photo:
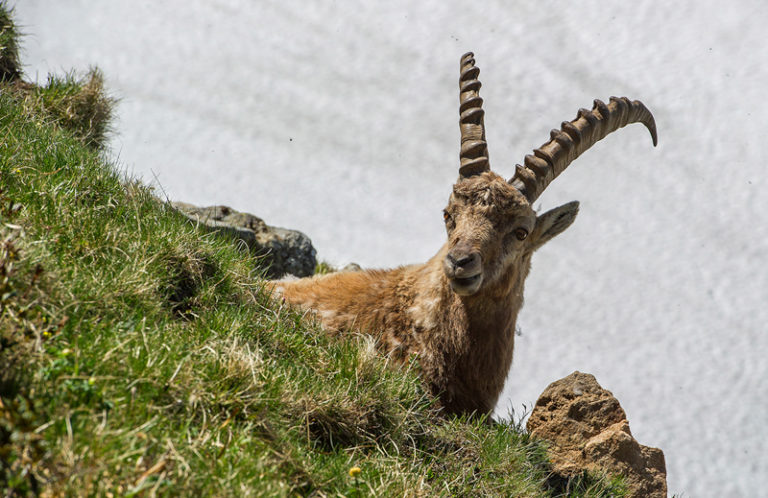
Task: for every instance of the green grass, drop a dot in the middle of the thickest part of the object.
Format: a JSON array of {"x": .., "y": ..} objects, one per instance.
[
  {"x": 10, "y": 68},
  {"x": 140, "y": 356},
  {"x": 77, "y": 104}
]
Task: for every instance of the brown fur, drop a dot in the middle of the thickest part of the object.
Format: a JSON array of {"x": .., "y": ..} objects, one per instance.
[{"x": 457, "y": 319}]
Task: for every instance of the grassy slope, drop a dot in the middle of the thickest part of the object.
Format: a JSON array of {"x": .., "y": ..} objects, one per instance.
[{"x": 141, "y": 356}]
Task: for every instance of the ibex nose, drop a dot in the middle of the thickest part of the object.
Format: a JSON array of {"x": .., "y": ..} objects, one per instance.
[
  {"x": 463, "y": 264},
  {"x": 462, "y": 260}
]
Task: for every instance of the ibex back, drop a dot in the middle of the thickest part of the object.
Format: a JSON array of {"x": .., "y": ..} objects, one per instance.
[{"x": 456, "y": 313}]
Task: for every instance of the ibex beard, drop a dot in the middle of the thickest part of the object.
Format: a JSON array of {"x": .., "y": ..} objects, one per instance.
[{"x": 457, "y": 312}]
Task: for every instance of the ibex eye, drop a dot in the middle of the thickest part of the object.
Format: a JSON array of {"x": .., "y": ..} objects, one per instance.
[
  {"x": 521, "y": 233},
  {"x": 446, "y": 216}
]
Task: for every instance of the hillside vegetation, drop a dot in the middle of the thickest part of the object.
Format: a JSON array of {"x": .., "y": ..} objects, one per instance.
[{"x": 139, "y": 356}]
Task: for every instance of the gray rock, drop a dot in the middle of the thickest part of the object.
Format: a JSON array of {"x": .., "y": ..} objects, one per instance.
[{"x": 284, "y": 251}]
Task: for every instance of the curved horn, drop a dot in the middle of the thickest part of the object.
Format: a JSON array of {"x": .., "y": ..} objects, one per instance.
[
  {"x": 575, "y": 137},
  {"x": 474, "y": 150}
]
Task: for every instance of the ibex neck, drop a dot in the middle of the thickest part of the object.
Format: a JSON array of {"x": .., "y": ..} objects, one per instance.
[
  {"x": 493, "y": 308},
  {"x": 475, "y": 337}
]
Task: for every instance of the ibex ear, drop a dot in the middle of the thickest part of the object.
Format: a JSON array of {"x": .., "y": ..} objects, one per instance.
[{"x": 552, "y": 223}]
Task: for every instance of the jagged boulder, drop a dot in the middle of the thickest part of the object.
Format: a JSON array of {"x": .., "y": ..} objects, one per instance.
[
  {"x": 285, "y": 251},
  {"x": 587, "y": 429}
]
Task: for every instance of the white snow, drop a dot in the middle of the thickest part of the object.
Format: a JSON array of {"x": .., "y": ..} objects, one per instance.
[{"x": 340, "y": 119}]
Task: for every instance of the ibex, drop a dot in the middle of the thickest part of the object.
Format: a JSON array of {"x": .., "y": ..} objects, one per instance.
[{"x": 457, "y": 312}]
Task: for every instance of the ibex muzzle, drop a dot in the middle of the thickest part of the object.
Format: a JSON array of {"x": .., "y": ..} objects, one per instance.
[{"x": 463, "y": 266}]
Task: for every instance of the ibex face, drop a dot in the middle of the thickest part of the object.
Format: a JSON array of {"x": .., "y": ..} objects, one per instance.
[
  {"x": 492, "y": 228},
  {"x": 488, "y": 222}
]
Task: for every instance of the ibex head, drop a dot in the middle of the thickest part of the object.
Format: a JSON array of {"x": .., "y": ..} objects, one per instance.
[{"x": 492, "y": 228}]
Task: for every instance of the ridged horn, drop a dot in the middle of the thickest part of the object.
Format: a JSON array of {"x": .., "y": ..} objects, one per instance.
[
  {"x": 473, "y": 156},
  {"x": 575, "y": 137}
]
